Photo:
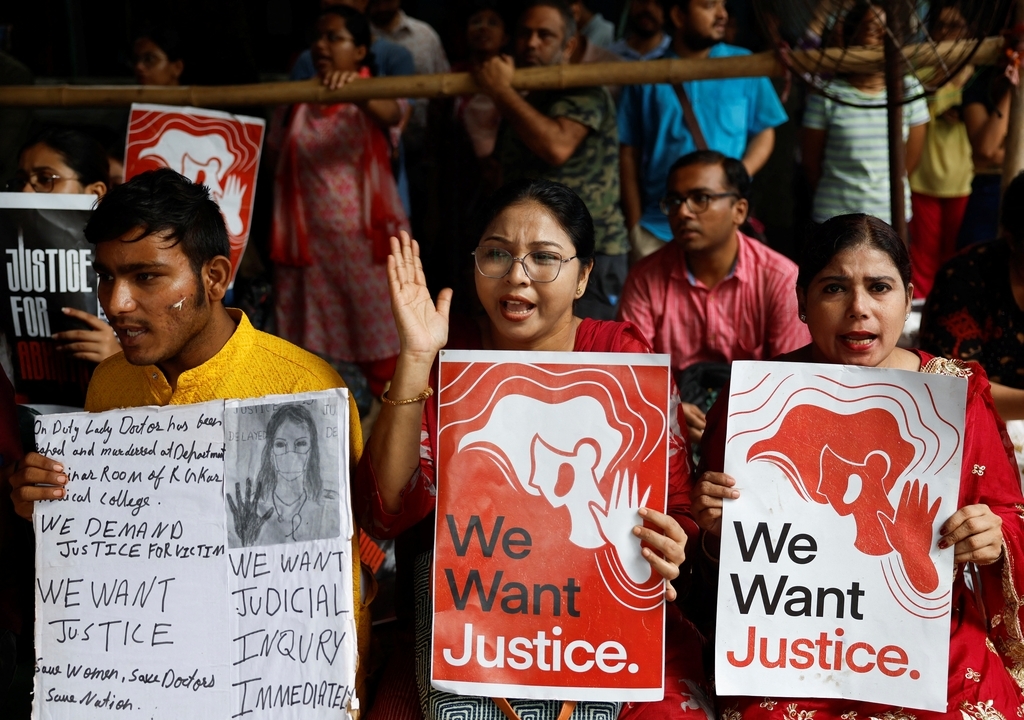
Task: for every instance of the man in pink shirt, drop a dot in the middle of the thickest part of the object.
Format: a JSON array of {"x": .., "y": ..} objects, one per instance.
[{"x": 712, "y": 294}]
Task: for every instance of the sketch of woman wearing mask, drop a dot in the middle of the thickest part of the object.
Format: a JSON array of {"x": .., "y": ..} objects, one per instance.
[{"x": 290, "y": 503}]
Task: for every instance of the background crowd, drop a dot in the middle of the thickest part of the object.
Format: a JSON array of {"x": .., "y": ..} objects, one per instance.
[{"x": 701, "y": 194}]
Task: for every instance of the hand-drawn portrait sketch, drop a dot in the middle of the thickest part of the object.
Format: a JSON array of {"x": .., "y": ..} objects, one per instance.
[{"x": 282, "y": 485}]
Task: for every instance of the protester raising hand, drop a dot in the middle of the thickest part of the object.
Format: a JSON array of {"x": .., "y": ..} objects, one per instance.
[{"x": 422, "y": 325}]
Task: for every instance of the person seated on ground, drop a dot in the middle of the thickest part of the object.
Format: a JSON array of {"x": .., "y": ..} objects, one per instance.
[
  {"x": 845, "y": 136},
  {"x": 712, "y": 295},
  {"x": 645, "y": 37},
  {"x": 162, "y": 259},
  {"x": 735, "y": 116},
  {"x": 567, "y": 136},
  {"x": 855, "y": 279},
  {"x": 394, "y": 485},
  {"x": 64, "y": 160},
  {"x": 975, "y": 311},
  {"x": 159, "y": 56}
]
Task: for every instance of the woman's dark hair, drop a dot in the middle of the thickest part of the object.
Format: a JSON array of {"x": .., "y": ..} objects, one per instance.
[
  {"x": 266, "y": 480},
  {"x": 358, "y": 27},
  {"x": 848, "y": 231},
  {"x": 167, "y": 38},
  {"x": 80, "y": 152},
  {"x": 569, "y": 211},
  {"x": 166, "y": 203},
  {"x": 737, "y": 178}
]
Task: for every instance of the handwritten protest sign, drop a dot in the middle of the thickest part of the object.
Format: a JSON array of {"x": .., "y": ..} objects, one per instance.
[
  {"x": 831, "y": 580},
  {"x": 130, "y": 568},
  {"x": 149, "y": 601},
  {"x": 539, "y": 587},
  {"x": 48, "y": 267},
  {"x": 294, "y": 636},
  {"x": 217, "y": 149}
]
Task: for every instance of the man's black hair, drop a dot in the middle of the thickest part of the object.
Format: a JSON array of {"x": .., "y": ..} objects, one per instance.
[
  {"x": 563, "y": 9},
  {"x": 162, "y": 202},
  {"x": 737, "y": 178}
]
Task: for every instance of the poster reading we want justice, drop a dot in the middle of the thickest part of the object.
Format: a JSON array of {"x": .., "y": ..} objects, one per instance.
[
  {"x": 831, "y": 582},
  {"x": 540, "y": 590}
]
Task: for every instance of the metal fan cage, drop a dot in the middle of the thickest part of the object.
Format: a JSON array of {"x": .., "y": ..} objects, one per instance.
[{"x": 935, "y": 40}]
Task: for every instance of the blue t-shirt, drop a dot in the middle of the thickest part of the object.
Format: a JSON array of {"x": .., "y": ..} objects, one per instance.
[
  {"x": 392, "y": 59},
  {"x": 730, "y": 112}
]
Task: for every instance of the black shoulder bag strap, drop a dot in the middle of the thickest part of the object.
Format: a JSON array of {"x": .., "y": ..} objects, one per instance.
[{"x": 689, "y": 117}]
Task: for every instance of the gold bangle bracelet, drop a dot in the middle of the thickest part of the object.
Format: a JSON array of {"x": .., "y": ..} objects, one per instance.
[{"x": 422, "y": 396}]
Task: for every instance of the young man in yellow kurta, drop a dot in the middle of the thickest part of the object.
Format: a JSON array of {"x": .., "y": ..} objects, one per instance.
[{"x": 162, "y": 263}]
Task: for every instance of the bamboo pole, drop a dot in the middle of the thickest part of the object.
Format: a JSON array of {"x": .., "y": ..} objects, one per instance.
[{"x": 452, "y": 84}]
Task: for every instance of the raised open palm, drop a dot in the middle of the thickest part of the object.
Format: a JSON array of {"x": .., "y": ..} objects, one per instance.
[{"x": 422, "y": 325}]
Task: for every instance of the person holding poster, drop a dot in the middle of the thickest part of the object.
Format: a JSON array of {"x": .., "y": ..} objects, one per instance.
[
  {"x": 854, "y": 294},
  {"x": 335, "y": 206},
  {"x": 532, "y": 264},
  {"x": 162, "y": 256},
  {"x": 63, "y": 160}
]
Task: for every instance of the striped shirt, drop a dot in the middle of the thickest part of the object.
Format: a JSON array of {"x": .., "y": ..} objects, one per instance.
[{"x": 855, "y": 166}]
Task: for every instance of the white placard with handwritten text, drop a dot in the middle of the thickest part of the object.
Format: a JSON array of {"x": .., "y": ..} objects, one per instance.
[{"x": 169, "y": 587}]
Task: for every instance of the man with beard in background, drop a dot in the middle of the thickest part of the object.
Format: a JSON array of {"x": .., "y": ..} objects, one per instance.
[
  {"x": 646, "y": 38},
  {"x": 735, "y": 116}
]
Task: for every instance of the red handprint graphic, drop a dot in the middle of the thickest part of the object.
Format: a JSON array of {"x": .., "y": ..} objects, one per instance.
[
  {"x": 831, "y": 460},
  {"x": 910, "y": 535}
]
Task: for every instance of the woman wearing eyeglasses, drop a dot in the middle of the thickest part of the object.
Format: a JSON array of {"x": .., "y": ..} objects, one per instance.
[
  {"x": 335, "y": 206},
  {"x": 66, "y": 161},
  {"x": 532, "y": 264}
]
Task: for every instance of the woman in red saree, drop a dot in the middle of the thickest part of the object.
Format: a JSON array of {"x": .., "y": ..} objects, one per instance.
[
  {"x": 532, "y": 264},
  {"x": 854, "y": 294}
]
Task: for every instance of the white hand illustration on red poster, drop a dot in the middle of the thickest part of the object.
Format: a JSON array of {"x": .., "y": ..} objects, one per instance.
[
  {"x": 586, "y": 469},
  {"x": 216, "y": 149},
  {"x": 560, "y": 457}
]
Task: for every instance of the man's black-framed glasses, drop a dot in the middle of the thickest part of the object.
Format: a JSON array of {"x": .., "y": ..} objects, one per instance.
[
  {"x": 540, "y": 266},
  {"x": 697, "y": 202}
]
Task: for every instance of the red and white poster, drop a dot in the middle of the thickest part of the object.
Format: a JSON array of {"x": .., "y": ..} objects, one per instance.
[
  {"x": 832, "y": 584},
  {"x": 539, "y": 586},
  {"x": 218, "y": 149}
]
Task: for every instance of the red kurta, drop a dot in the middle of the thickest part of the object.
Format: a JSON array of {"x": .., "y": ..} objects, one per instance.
[{"x": 983, "y": 664}]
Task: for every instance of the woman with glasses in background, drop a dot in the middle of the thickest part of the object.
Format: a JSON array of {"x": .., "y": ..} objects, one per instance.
[
  {"x": 66, "y": 161},
  {"x": 533, "y": 260}
]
